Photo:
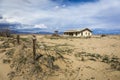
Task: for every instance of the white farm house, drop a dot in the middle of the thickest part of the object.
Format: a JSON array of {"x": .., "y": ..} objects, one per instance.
[{"x": 78, "y": 33}]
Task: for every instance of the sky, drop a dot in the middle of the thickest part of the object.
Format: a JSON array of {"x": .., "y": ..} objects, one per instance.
[{"x": 50, "y": 15}]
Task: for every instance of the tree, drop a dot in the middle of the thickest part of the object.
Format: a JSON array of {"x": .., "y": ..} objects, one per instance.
[{"x": 5, "y": 32}]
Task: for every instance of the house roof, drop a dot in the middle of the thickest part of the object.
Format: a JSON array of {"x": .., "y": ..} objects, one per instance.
[
  {"x": 86, "y": 29},
  {"x": 69, "y": 31}
]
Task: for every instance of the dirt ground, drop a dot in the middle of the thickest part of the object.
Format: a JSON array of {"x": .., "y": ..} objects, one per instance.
[{"x": 78, "y": 69}]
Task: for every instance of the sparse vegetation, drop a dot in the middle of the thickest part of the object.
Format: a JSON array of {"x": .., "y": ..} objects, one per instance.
[
  {"x": 103, "y": 35},
  {"x": 6, "y": 60},
  {"x": 5, "y": 32},
  {"x": 114, "y": 62},
  {"x": 10, "y": 53},
  {"x": 23, "y": 64},
  {"x": 56, "y": 60},
  {"x": 11, "y": 75},
  {"x": 25, "y": 39}
]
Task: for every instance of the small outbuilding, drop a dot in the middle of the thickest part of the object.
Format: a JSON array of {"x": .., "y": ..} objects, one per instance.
[{"x": 79, "y": 33}]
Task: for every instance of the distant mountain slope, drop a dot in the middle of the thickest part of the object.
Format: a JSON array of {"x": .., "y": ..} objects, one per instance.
[
  {"x": 106, "y": 31},
  {"x": 95, "y": 31},
  {"x": 41, "y": 31}
]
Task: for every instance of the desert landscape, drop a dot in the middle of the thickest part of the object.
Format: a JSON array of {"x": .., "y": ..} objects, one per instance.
[
  {"x": 60, "y": 58},
  {"x": 59, "y": 39}
]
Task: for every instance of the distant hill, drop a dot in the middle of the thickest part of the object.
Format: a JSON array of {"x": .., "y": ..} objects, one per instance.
[
  {"x": 43, "y": 32},
  {"x": 106, "y": 31},
  {"x": 40, "y": 31},
  {"x": 95, "y": 31}
]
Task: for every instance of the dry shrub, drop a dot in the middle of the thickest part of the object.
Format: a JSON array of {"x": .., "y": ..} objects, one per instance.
[
  {"x": 23, "y": 64},
  {"x": 113, "y": 61}
]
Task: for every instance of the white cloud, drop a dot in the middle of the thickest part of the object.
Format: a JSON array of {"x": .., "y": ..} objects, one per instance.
[
  {"x": 101, "y": 14},
  {"x": 57, "y": 7},
  {"x": 40, "y": 26},
  {"x": 13, "y": 19}
]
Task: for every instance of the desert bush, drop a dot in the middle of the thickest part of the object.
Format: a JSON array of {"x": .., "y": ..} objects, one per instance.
[
  {"x": 10, "y": 53},
  {"x": 22, "y": 60},
  {"x": 11, "y": 75},
  {"x": 24, "y": 46},
  {"x": 59, "y": 48},
  {"x": 77, "y": 55},
  {"x": 114, "y": 61},
  {"x": 36, "y": 68},
  {"x": 103, "y": 35},
  {"x": 54, "y": 38},
  {"x": 90, "y": 56},
  {"x": 1, "y": 38},
  {"x": 105, "y": 59},
  {"x": 92, "y": 59},
  {"x": 56, "y": 67},
  {"x": 25, "y": 39},
  {"x": 5, "y": 32},
  {"x": 5, "y": 45},
  {"x": 18, "y": 62},
  {"x": 50, "y": 61},
  {"x": 115, "y": 66},
  {"x": 6, "y": 61}
]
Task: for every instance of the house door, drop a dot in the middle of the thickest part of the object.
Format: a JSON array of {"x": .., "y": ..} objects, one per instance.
[{"x": 81, "y": 33}]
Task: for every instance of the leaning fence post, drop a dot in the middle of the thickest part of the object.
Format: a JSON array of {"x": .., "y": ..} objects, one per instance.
[
  {"x": 34, "y": 48},
  {"x": 18, "y": 39}
]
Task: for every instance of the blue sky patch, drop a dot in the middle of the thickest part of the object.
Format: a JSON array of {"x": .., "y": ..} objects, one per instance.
[{"x": 72, "y": 2}]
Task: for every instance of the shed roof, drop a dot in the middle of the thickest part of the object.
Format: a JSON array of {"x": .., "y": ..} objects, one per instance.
[{"x": 71, "y": 31}]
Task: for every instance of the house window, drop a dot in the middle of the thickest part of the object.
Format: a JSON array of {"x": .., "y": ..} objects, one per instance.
[
  {"x": 76, "y": 33},
  {"x": 81, "y": 33},
  {"x": 89, "y": 34}
]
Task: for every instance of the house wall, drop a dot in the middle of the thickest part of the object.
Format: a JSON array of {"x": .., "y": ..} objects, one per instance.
[
  {"x": 79, "y": 34},
  {"x": 74, "y": 34},
  {"x": 69, "y": 34},
  {"x": 86, "y": 33}
]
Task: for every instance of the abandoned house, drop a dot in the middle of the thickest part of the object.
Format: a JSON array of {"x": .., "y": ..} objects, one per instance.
[{"x": 78, "y": 33}]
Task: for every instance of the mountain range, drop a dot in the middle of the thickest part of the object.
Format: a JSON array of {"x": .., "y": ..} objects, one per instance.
[
  {"x": 42, "y": 31},
  {"x": 95, "y": 31}
]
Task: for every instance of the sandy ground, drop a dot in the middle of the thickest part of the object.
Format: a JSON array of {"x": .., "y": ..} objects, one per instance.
[
  {"x": 89, "y": 70},
  {"x": 4, "y": 68},
  {"x": 109, "y": 45}
]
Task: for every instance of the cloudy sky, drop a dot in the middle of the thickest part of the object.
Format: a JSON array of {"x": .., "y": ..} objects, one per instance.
[{"x": 60, "y": 15}]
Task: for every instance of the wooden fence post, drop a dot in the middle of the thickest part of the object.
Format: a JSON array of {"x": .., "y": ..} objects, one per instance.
[
  {"x": 34, "y": 47},
  {"x": 18, "y": 39}
]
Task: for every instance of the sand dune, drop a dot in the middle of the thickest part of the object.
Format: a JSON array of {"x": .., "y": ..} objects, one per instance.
[{"x": 85, "y": 59}]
